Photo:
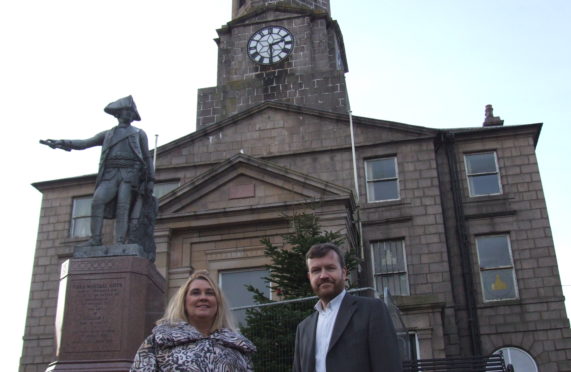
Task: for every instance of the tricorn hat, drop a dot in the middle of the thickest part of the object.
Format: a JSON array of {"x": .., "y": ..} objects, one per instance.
[{"x": 114, "y": 108}]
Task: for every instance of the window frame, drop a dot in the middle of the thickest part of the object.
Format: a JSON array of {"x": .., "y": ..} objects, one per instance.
[
  {"x": 74, "y": 218},
  {"x": 497, "y": 268},
  {"x": 412, "y": 345},
  {"x": 394, "y": 274},
  {"x": 238, "y": 270},
  {"x": 471, "y": 192},
  {"x": 165, "y": 182},
  {"x": 388, "y": 179},
  {"x": 507, "y": 354}
]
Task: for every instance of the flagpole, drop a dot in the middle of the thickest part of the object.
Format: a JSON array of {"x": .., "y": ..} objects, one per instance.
[
  {"x": 155, "y": 152},
  {"x": 356, "y": 179}
]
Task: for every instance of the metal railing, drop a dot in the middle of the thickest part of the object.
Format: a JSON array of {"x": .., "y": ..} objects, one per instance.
[
  {"x": 271, "y": 327},
  {"x": 490, "y": 363}
]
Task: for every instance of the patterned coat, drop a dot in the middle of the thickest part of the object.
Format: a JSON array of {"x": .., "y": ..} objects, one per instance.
[{"x": 180, "y": 347}]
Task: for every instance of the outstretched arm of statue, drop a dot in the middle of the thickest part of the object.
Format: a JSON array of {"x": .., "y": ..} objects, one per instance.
[
  {"x": 56, "y": 144},
  {"x": 69, "y": 145}
]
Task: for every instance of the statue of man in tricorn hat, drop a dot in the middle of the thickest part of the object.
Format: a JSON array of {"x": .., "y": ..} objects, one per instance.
[{"x": 125, "y": 181}]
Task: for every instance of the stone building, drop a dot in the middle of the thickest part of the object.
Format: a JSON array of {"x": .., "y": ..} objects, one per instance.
[{"x": 454, "y": 222}]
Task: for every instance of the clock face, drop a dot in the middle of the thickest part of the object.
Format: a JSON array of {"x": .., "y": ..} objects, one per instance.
[{"x": 270, "y": 45}]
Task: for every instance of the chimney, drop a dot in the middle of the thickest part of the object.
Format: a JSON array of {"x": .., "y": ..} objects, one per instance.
[{"x": 490, "y": 120}]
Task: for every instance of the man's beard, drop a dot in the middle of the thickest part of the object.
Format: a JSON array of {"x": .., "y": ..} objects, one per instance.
[{"x": 329, "y": 293}]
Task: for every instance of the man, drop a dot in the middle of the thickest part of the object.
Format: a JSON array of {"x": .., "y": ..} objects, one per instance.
[
  {"x": 346, "y": 333},
  {"x": 126, "y": 172}
]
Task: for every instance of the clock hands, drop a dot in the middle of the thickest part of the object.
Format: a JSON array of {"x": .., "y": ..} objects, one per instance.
[
  {"x": 277, "y": 42},
  {"x": 270, "y": 45}
]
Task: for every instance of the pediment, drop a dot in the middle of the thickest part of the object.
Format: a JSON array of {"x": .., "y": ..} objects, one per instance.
[
  {"x": 279, "y": 128},
  {"x": 243, "y": 182}
]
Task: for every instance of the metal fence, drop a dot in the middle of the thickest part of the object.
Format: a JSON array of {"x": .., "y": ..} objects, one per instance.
[{"x": 271, "y": 327}]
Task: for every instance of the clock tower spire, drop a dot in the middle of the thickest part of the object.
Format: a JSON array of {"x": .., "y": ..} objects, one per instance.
[
  {"x": 241, "y": 7},
  {"x": 288, "y": 51}
]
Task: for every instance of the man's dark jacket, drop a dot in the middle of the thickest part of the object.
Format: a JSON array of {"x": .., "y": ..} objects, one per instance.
[{"x": 363, "y": 339}]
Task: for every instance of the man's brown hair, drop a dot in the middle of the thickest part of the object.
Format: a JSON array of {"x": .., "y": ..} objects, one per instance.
[{"x": 321, "y": 249}]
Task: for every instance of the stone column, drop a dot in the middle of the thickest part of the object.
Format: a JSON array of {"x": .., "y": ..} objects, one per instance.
[{"x": 106, "y": 307}]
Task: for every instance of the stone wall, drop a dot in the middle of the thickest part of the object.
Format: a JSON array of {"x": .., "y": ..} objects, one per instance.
[
  {"x": 249, "y": 5},
  {"x": 217, "y": 233},
  {"x": 54, "y": 228},
  {"x": 536, "y": 321},
  {"x": 311, "y": 76}
]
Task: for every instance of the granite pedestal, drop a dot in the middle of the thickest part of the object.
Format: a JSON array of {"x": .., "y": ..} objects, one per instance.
[
  {"x": 108, "y": 251},
  {"x": 106, "y": 308}
]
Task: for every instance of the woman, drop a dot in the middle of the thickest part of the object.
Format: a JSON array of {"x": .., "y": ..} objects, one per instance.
[{"x": 196, "y": 333}]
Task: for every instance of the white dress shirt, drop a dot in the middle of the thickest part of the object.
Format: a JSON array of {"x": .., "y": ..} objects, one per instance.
[{"x": 325, "y": 323}]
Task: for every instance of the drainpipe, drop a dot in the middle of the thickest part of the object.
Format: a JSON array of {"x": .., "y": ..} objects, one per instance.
[{"x": 463, "y": 244}]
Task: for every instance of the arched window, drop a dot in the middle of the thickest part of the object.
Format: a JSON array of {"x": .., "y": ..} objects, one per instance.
[{"x": 519, "y": 359}]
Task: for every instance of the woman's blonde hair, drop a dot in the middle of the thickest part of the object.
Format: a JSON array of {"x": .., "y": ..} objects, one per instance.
[{"x": 176, "y": 312}]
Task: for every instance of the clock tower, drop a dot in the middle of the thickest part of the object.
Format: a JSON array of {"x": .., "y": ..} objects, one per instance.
[{"x": 287, "y": 51}]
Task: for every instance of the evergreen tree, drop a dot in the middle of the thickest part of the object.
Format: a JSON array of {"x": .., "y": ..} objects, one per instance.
[{"x": 272, "y": 327}]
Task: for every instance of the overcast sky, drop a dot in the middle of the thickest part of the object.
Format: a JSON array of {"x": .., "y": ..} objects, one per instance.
[{"x": 433, "y": 63}]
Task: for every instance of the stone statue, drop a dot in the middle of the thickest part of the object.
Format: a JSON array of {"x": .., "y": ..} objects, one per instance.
[{"x": 124, "y": 186}]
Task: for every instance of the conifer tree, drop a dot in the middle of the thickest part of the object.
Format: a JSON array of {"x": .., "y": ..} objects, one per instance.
[{"x": 272, "y": 327}]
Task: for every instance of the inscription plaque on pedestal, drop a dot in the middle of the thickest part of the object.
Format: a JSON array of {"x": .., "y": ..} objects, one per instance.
[
  {"x": 97, "y": 319},
  {"x": 106, "y": 307}
]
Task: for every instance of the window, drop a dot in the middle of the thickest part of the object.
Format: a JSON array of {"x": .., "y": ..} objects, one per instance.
[
  {"x": 389, "y": 261},
  {"x": 382, "y": 179},
  {"x": 496, "y": 267},
  {"x": 408, "y": 345},
  {"x": 519, "y": 359},
  {"x": 483, "y": 175},
  {"x": 81, "y": 217},
  {"x": 163, "y": 188},
  {"x": 234, "y": 282}
]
